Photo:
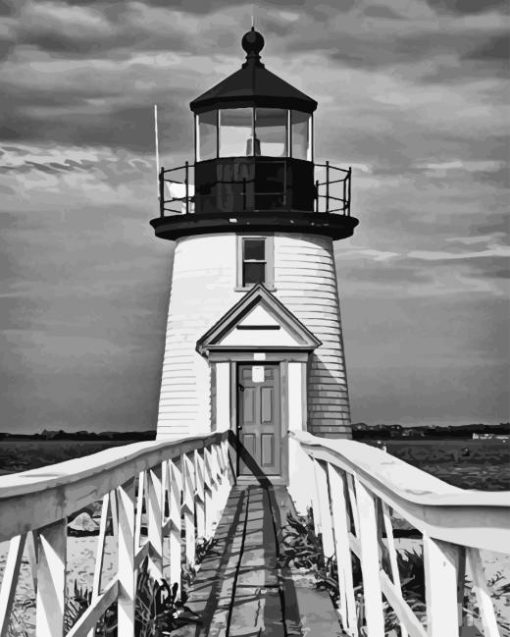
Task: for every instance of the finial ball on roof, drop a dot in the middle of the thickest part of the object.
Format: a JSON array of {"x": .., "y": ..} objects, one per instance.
[{"x": 252, "y": 42}]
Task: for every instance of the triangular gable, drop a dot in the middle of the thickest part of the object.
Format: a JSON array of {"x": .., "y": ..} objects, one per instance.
[{"x": 257, "y": 321}]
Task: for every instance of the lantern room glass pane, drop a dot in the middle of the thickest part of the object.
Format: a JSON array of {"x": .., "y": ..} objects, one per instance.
[
  {"x": 271, "y": 131},
  {"x": 301, "y": 142},
  {"x": 236, "y": 129},
  {"x": 207, "y": 135}
]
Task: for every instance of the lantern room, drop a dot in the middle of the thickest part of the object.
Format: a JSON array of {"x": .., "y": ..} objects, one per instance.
[{"x": 253, "y": 165}]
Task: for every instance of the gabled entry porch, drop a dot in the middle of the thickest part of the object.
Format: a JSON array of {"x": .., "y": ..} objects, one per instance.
[{"x": 258, "y": 353}]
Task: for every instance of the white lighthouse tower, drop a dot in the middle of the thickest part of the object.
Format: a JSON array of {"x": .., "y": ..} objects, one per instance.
[{"x": 254, "y": 338}]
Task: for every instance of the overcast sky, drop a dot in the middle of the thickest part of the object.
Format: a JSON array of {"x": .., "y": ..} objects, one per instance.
[{"x": 411, "y": 93}]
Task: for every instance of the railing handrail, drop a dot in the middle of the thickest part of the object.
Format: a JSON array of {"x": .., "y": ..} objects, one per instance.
[
  {"x": 60, "y": 489},
  {"x": 445, "y": 512}
]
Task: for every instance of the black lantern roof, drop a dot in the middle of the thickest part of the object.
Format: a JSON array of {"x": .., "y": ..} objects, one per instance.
[{"x": 253, "y": 85}]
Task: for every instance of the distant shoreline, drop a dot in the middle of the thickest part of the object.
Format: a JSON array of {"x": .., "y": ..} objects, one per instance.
[{"x": 360, "y": 431}]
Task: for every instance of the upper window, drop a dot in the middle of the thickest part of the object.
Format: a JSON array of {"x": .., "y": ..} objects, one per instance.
[
  {"x": 271, "y": 132},
  {"x": 207, "y": 134},
  {"x": 249, "y": 132},
  {"x": 236, "y": 126},
  {"x": 301, "y": 135},
  {"x": 255, "y": 261}
]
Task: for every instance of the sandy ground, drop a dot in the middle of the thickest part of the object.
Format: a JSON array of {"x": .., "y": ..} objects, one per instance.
[{"x": 81, "y": 559}]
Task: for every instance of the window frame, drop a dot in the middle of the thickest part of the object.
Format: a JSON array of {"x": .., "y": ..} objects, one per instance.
[{"x": 269, "y": 261}]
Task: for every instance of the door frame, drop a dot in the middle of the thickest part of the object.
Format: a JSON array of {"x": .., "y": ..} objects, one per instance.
[{"x": 284, "y": 416}]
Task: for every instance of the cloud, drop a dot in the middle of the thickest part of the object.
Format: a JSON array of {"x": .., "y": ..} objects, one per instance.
[{"x": 410, "y": 95}]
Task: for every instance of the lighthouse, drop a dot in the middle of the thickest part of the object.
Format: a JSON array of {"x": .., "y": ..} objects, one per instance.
[{"x": 254, "y": 339}]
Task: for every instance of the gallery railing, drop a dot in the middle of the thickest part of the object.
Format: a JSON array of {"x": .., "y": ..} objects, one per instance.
[
  {"x": 252, "y": 184},
  {"x": 153, "y": 485},
  {"x": 358, "y": 493}
]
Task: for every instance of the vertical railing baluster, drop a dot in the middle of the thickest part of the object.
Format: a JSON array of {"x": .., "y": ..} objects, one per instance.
[
  {"x": 390, "y": 543},
  {"x": 210, "y": 485},
  {"x": 10, "y": 580},
  {"x": 316, "y": 195},
  {"x": 199, "y": 494},
  {"x": 487, "y": 614},
  {"x": 188, "y": 509},
  {"x": 155, "y": 518},
  {"x": 51, "y": 579},
  {"x": 244, "y": 193},
  {"x": 336, "y": 491},
  {"x": 126, "y": 558},
  {"x": 349, "y": 191},
  {"x": 440, "y": 563},
  {"x": 327, "y": 186},
  {"x": 370, "y": 563},
  {"x": 321, "y": 511},
  {"x": 101, "y": 541},
  {"x": 186, "y": 179},
  {"x": 344, "y": 187},
  {"x": 139, "y": 508},
  {"x": 175, "y": 490},
  {"x": 162, "y": 192}
]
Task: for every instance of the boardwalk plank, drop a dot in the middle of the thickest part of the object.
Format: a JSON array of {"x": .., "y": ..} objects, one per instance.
[{"x": 240, "y": 589}]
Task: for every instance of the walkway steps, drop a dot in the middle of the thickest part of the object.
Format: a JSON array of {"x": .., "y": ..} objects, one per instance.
[{"x": 240, "y": 590}]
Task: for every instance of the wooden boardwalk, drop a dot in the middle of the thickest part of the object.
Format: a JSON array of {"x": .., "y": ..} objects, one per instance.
[{"x": 240, "y": 589}]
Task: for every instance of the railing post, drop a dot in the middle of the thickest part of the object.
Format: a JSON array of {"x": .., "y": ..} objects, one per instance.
[
  {"x": 199, "y": 494},
  {"x": 244, "y": 193},
  {"x": 210, "y": 483},
  {"x": 327, "y": 186},
  {"x": 316, "y": 195},
  {"x": 349, "y": 192},
  {"x": 487, "y": 614},
  {"x": 162, "y": 192},
  {"x": 51, "y": 579},
  {"x": 347, "y": 602},
  {"x": 174, "y": 505},
  {"x": 189, "y": 510},
  {"x": 370, "y": 564},
  {"x": 321, "y": 511},
  {"x": 10, "y": 580},
  {"x": 186, "y": 180},
  {"x": 155, "y": 518},
  {"x": 126, "y": 558},
  {"x": 440, "y": 562}
]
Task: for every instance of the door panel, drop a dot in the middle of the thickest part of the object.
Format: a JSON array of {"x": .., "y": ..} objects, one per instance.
[{"x": 259, "y": 427}]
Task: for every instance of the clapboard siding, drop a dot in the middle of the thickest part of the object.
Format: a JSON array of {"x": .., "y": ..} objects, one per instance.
[
  {"x": 203, "y": 289},
  {"x": 306, "y": 281}
]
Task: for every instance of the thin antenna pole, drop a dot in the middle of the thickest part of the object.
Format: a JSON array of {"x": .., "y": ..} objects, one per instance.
[
  {"x": 252, "y": 16},
  {"x": 156, "y": 140}
]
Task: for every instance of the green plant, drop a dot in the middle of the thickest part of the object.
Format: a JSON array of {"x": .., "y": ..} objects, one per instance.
[
  {"x": 159, "y": 608},
  {"x": 301, "y": 547}
]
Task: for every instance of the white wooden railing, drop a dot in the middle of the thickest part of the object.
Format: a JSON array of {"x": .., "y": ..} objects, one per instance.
[
  {"x": 187, "y": 480},
  {"x": 356, "y": 492}
]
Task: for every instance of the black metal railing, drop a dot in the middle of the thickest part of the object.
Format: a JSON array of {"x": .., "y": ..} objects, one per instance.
[
  {"x": 344, "y": 178},
  {"x": 329, "y": 191}
]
